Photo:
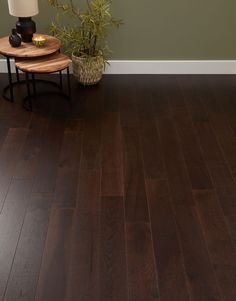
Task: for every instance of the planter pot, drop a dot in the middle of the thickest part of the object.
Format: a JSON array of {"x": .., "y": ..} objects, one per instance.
[{"x": 88, "y": 71}]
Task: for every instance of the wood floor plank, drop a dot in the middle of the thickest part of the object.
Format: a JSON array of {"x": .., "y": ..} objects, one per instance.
[
  {"x": 68, "y": 169},
  {"x": 142, "y": 278},
  {"x": 112, "y": 156},
  {"x": 167, "y": 248},
  {"x": 227, "y": 197},
  {"x": 25, "y": 269},
  {"x": 71, "y": 257},
  {"x": 83, "y": 261},
  {"x": 3, "y": 133},
  {"x": 28, "y": 159},
  {"x": 127, "y": 103},
  {"x": 219, "y": 243},
  {"x": 120, "y": 163},
  {"x": 175, "y": 166},
  {"x": 149, "y": 137},
  {"x": 11, "y": 149},
  {"x": 201, "y": 277},
  {"x": 49, "y": 156},
  {"x": 134, "y": 186},
  {"x": 218, "y": 168},
  {"x": 53, "y": 278},
  {"x": 91, "y": 152},
  {"x": 113, "y": 268},
  {"x": 220, "y": 173},
  {"x": 221, "y": 126},
  {"x": 11, "y": 221},
  {"x": 9, "y": 155},
  {"x": 89, "y": 187},
  {"x": 197, "y": 169}
]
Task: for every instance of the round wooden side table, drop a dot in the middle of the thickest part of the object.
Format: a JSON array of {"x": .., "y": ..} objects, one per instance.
[{"x": 26, "y": 50}]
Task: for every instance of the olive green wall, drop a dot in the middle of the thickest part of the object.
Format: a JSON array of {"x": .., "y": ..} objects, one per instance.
[{"x": 161, "y": 29}]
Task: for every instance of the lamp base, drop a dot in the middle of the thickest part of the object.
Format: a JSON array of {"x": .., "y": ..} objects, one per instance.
[{"x": 26, "y": 27}]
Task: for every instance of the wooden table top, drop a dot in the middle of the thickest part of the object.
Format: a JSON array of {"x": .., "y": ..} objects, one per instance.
[
  {"x": 46, "y": 64},
  {"x": 29, "y": 49}
]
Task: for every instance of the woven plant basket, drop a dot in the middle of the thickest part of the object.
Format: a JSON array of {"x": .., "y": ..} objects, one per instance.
[{"x": 88, "y": 71}]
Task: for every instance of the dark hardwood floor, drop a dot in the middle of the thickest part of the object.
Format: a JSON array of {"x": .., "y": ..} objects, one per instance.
[{"x": 126, "y": 194}]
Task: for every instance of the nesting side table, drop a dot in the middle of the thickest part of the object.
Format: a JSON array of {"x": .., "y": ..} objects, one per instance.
[
  {"x": 26, "y": 50},
  {"x": 51, "y": 63}
]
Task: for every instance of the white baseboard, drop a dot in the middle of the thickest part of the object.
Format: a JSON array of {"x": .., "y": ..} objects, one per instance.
[{"x": 162, "y": 67}]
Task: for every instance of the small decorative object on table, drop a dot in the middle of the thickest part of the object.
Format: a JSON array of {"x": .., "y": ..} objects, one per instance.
[
  {"x": 39, "y": 40},
  {"x": 14, "y": 39}
]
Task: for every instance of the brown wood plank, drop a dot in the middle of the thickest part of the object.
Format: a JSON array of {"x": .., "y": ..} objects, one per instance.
[
  {"x": 53, "y": 279},
  {"x": 113, "y": 269},
  {"x": 175, "y": 165},
  {"x": 134, "y": 186},
  {"x": 142, "y": 278},
  {"x": 127, "y": 102},
  {"x": 218, "y": 168},
  {"x": 70, "y": 263},
  {"x": 25, "y": 269},
  {"x": 197, "y": 169},
  {"x": 11, "y": 220},
  {"x": 150, "y": 141},
  {"x": 201, "y": 277},
  {"x": 68, "y": 169},
  {"x": 49, "y": 156},
  {"x": 112, "y": 156},
  {"x": 11, "y": 148},
  {"x": 167, "y": 248},
  {"x": 221, "y": 125},
  {"x": 82, "y": 282},
  {"x": 3, "y": 133},
  {"x": 9, "y": 155},
  {"x": 218, "y": 240},
  {"x": 91, "y": 152},
  {"x": 28, "y": 160},
  {"x": 227, "y": 197},
  {"x": 89, "y": 186}
]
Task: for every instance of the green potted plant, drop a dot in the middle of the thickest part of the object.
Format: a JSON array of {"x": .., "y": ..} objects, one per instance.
[{"x": 84, "y": 36}]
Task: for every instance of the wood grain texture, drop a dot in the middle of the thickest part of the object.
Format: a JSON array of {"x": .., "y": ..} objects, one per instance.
[
  {"x": 113, "y": 268},
  {"x": 45, "y": 177},
  {"x": 11, "y": 221},
  {"x": 46, "y": 64},
  {"x": 219, "y": 242},
  {"x": 126, "y": 193},
  {"x": 112, "y": 156},
  {"x": 201, "y": 277},
  {"x": 175, "y": 165},
  {"x": 142, "y": 278},
  {"x": 29, "y": 49},
  {"x": 27, "y": 261},
  {"x": 136, "y": 208},
  {"x": 68, "y": 169},
  {"x": 167, "y": 247},
  {"x": 53, "y": 279}
]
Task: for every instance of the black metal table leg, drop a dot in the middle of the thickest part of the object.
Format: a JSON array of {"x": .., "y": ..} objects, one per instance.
[
  {"x": 60, "y": 75},
  {"x": 68, "y": 81},
  {"x": 33, "y": 80},
  {"x": 10, "y": 79},
  {"x": 17, "y": 74},
  {"x": 28, "y": 106}
]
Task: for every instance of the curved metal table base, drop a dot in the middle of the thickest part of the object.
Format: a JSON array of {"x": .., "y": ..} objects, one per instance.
[{"x": 20, "y": 82}]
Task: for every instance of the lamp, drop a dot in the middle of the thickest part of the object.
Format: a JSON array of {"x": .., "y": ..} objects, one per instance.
[{"x": 24, "y": 10}]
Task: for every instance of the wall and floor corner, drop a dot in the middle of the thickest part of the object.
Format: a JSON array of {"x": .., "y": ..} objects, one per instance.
[{"x": 162, "y": 36}]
